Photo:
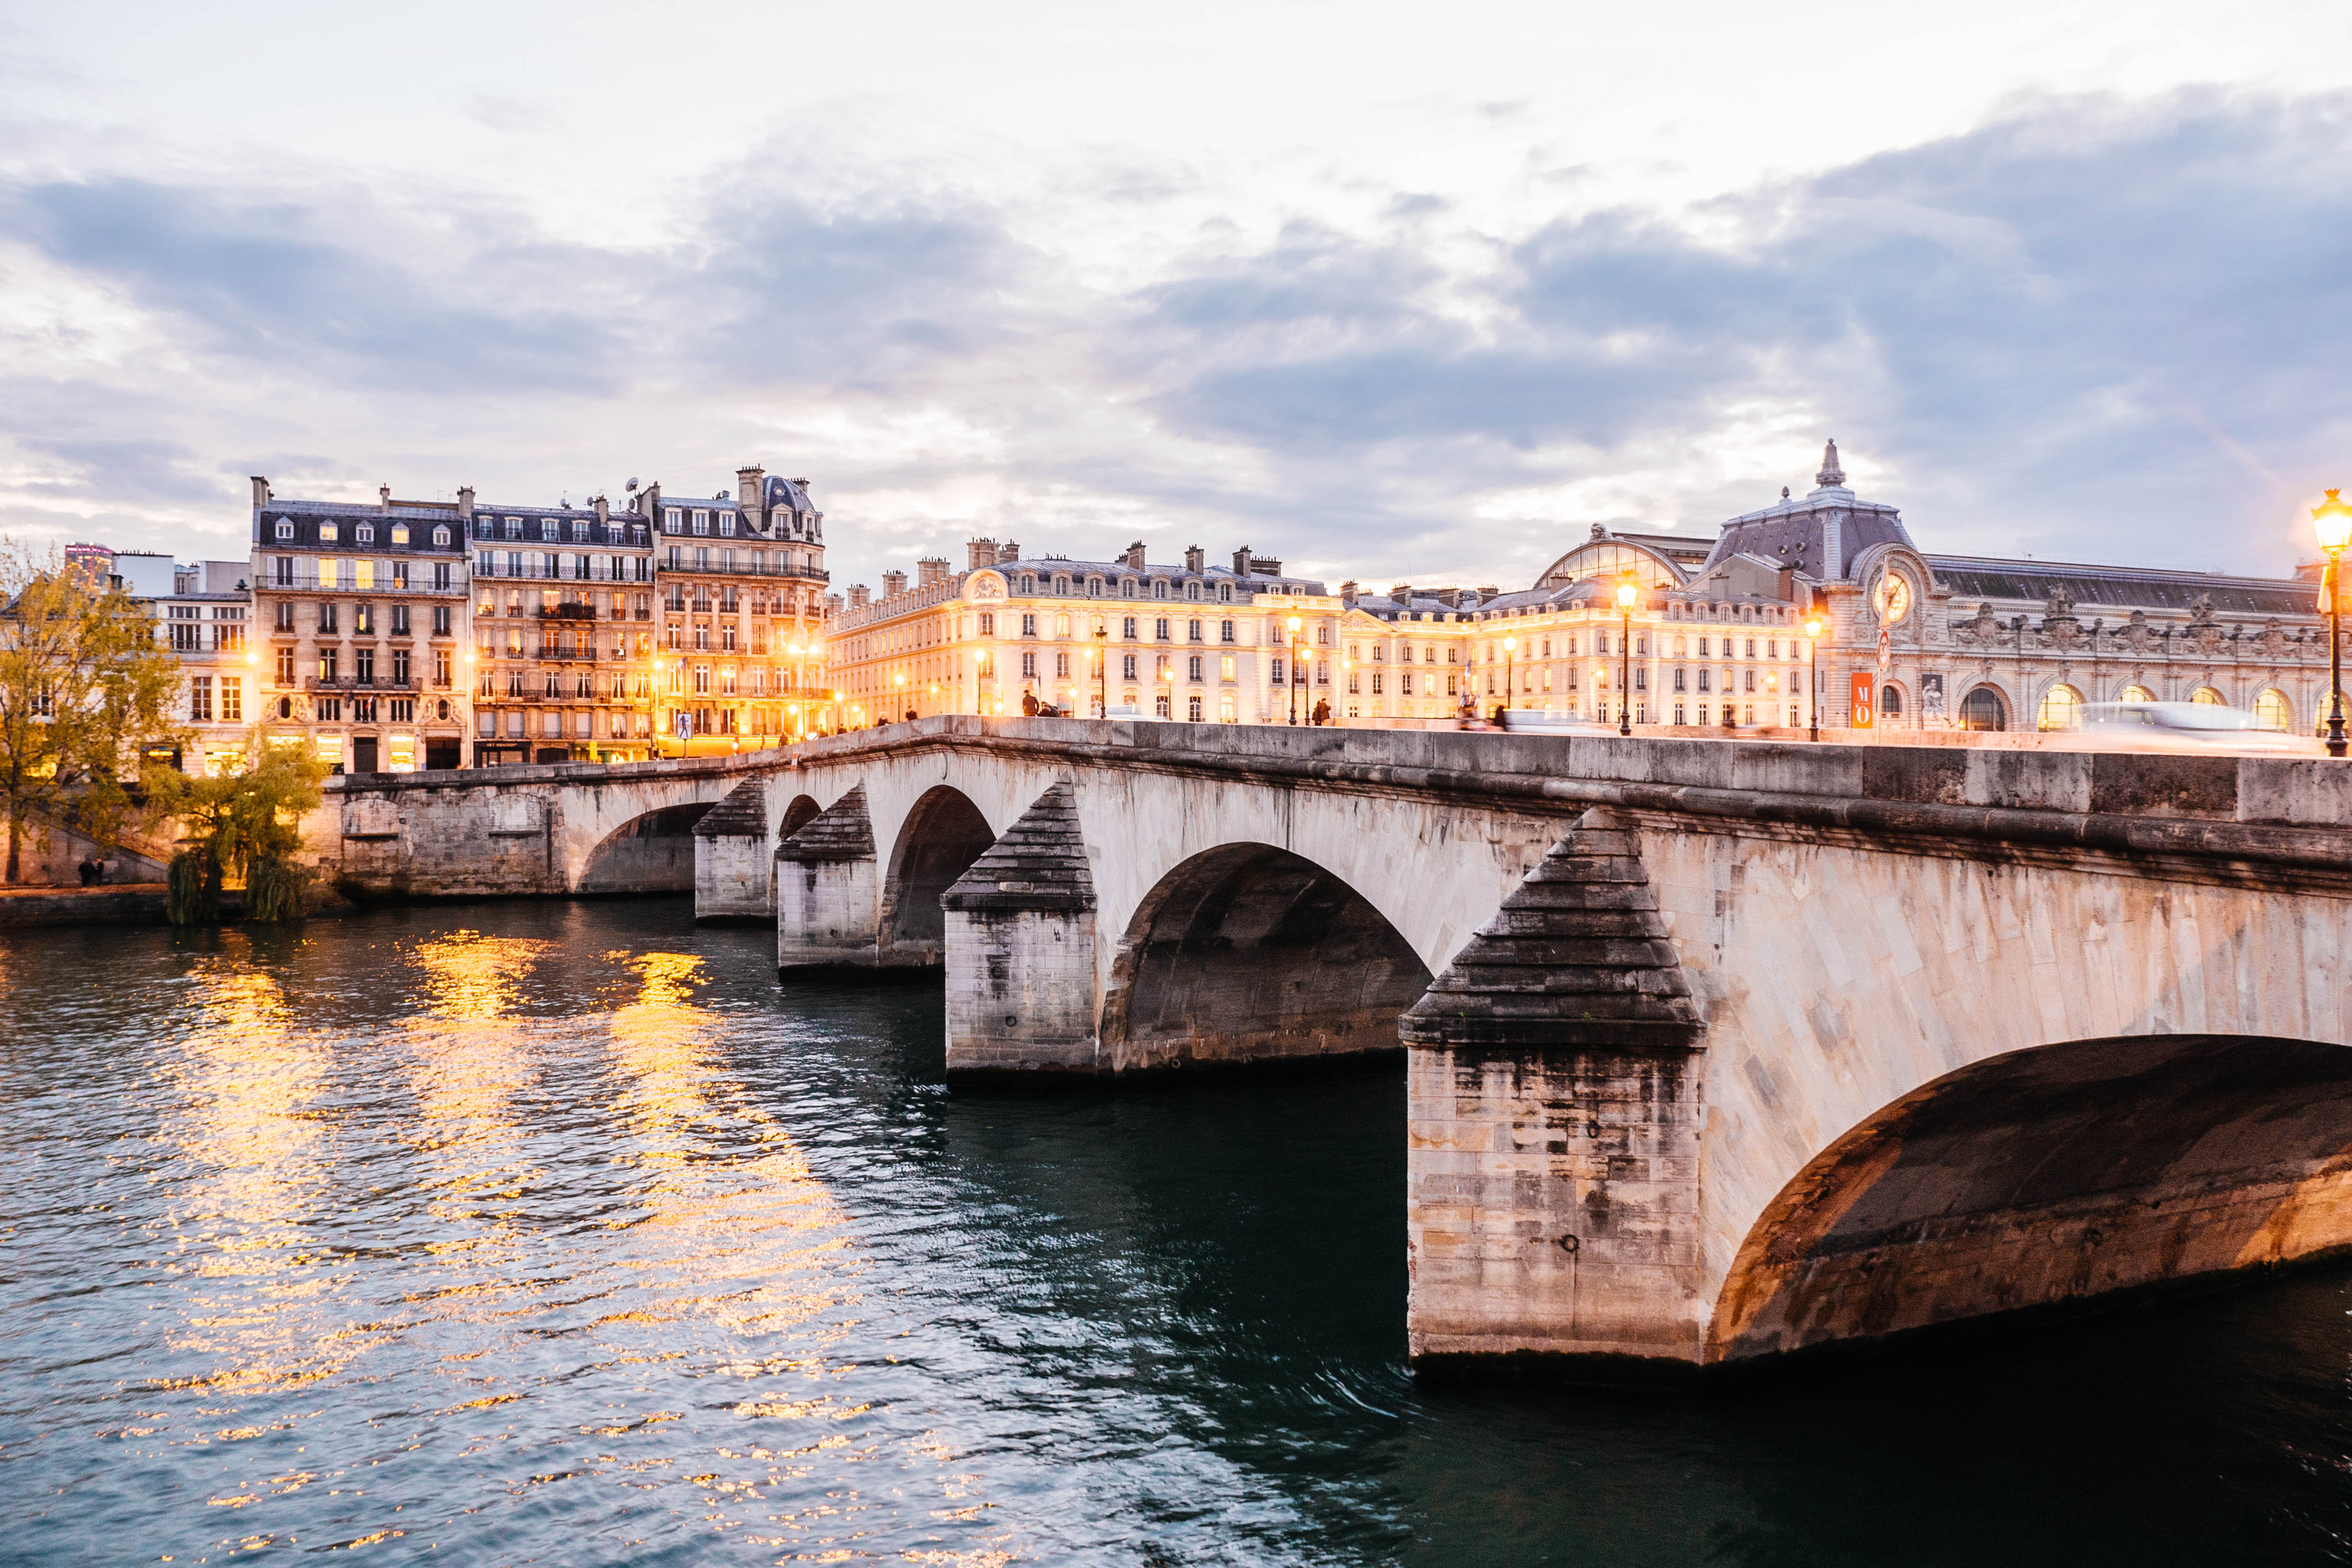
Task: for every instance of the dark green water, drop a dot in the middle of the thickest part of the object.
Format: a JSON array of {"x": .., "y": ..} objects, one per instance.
[{"x": 564, "y": 1234}]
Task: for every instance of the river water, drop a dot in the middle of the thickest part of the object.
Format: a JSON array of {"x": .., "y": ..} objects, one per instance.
[{"x": 563, "y": 1233}]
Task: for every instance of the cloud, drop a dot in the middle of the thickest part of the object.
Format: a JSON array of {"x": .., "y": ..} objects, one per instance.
[{"x": 2088, "y": 327}]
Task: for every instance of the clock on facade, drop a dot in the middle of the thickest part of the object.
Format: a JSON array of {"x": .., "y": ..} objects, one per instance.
[{"x": 1893, "y": 598}]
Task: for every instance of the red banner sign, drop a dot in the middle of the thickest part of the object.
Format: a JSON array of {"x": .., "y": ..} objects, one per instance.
[{"x": 1866, "y": 714}]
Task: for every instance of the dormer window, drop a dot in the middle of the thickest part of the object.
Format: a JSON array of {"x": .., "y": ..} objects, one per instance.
[
  {"x": 548, "y": 531},
  {"x": 726, "y": 525},
  {"x": 1159, "y": 587},
  {"x": 1062, "y": 588},
  {"x": 702, "y": 522},
  {"x": 400, "y": 533},
  {"x": 1193, "y": 591},
  {"x": 580, "y": 530},
  {"x": 441, "y": 535},
  {"x": 514, "y": 527},
  {"x": 364, "y": 534},
  {"x": 1224, "y": 593},
  {"x": 1127, "y": 587},
  {"x": 327, "y": 532},
  {"x": 670, "y": 521},
  {"x": 284, "y": 528},
  {"x": 1028, "y": 583}
]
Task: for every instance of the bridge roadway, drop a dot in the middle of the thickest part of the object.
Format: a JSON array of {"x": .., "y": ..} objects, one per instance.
[{"x": 1715, "y": 1049}]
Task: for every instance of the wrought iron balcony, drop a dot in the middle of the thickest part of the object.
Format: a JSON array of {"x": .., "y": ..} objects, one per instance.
[{"x": 354, "y": 683}]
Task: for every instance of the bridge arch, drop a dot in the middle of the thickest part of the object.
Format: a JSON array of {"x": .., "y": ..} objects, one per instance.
[
  {"x": 942, "y": 835},
  {"x": 1246, "y": 953},
  {"x": 798, "y": 815},
  {"x": 2042, "y": 1177},
  {"x": 651, "y": 853}
]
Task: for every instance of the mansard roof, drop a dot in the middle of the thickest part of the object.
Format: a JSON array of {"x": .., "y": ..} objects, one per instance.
[
  {"x": 2119, "y": 587},
  {"x": 1112, "y": 570}
]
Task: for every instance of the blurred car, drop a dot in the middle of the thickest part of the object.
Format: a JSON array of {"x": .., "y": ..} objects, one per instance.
[
  {"x": 1535, "y": 721},
  {"x": 2184, "y": 726}
]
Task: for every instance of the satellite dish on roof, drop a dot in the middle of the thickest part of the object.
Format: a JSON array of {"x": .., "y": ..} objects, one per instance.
[{"x": 633, "y": 483}]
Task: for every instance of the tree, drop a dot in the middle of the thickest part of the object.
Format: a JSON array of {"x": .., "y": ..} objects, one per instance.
[
  {"x": 84, "y": 688},
  {"x": 245, "y": 826}
]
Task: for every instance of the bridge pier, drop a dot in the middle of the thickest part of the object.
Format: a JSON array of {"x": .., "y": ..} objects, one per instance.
[
  {"x": 1021, "y": 993},
  {"x": 827, "y": 889},
  {"x": 1554, "y": 1112},
  {"x": 734, "y": 873}
]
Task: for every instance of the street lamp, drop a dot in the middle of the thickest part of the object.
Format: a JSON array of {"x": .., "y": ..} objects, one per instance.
[
  {"x": 1102, "y": 669},
  {"x": 1510, "y": 650},
  {"x": 1295, "y": 624},
  {"x": 899, "y": 681},
  {"x": 1813, "y": 659},
  {"x": 2333, "y": 520},
  {"x": 1626, "y": 594}
]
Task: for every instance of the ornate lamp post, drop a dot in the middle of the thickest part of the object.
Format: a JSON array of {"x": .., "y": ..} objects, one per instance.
[
  {"x": 1102, "y": 669},
  {"x": 1295, "y": 624},
  {"x": 1626, "y": 594},
  {"x": 1813, "y": 657},
  {"x": 899, "y": 681},
  {"x": 1510, "y": 653},
  {"x": 2333, "y": 520}
]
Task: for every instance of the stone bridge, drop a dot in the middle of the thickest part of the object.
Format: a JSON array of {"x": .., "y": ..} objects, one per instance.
[{"x": 1715, "y": 1049}]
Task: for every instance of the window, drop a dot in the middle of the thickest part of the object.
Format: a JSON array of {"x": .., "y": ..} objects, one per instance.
[
  {"x": 400, "y": 620},
  {"x": 327, "y": 618},
  {"x": 1160, "y": 589},
  {"x": 1890, "y": 702},
  {"x": 1127, "y": 667},
  {"x": 327, "y": 532},
  {"x": 1273, "y": 673},
  {"x": 2061, "y": 709},
  {"x": 328, "y": 710},
  {"x": 1225, "y": 596},
  {"x": 1226, "y": 668},
  {"x": 1703, "y": 679},
  {"x": 1028, "y": 665},
  {"x": 1377, "y": 682},
  {"x": 1983, "y": 709},
  {"x": 285, "y": 666},
  {"x": 1126, "y": 627},
  {"x": 441, "y": 535},
  {"x": 987, "y": 624},
  {"x": 514, "y": 527},
  {"x": 200, "y": 699},
  {"x": 702, "y": 522},
  {"x": 363, "y": 619},
  {"x": 1028, "y": 625},
  {"x": 1160, "y": 630},
  {"x": 1061, "y": 666},
  {"x": 1192, "y": 704},
  {"x": 1679, "y": 683},
  {"x": 2272, "y": 712},
  {"x": 669, "y": 519},
  {"x": 441, "y": 621},
  {"x": 1191, "y": 630},
  {"x": 232, "y": 699},
  {"x": 1193, "y": 671},
  {"x": 284, "y": 528},
  {"x": 1224, "y": 631}
]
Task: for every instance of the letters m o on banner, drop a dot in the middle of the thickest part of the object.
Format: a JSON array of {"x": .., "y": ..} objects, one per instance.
[{"x": 1866, "y": 714}]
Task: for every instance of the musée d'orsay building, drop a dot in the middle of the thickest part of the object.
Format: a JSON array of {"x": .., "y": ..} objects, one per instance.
[{"x": 1716, "y": 632}]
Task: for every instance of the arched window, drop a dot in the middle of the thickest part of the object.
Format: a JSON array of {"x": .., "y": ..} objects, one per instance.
[
  {"x": 2061, "y": 709},
  {"x": 2272, "y": 710},
  {"x": 2134, "y": 694},
  {"x": 2208, "y": 697},
  {"x": 1983, "y": 709},
  {"x": 1890, "y": 702}
]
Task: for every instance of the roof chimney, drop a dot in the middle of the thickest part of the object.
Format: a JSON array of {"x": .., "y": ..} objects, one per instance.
[
  {"x": 466, "y": 502},
  {"x": 977, "y": 553},
  {"x": 1007, "y": 551},
  {"x": 931, "y": 571},
  {"x": 894, "y": 583},
  {"x": 1134, "y": 556},
  {"x": 1348, "y": 594},
  {"x": 260, "y": 491},
  {"x": 604, "y": 512},
  {"x": 1195, "y": 557},
  {"x": 858, "y": 594},
  {"x": 383, "y": 497}
]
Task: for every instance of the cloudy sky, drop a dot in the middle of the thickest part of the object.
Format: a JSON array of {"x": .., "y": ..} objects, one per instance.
[{"x": 1416, "y": 292}]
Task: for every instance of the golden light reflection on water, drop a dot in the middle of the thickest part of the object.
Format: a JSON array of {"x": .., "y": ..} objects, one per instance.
[
  {"x": 709, "y": 1243},
  {"x": 248, "y": 1083}
]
